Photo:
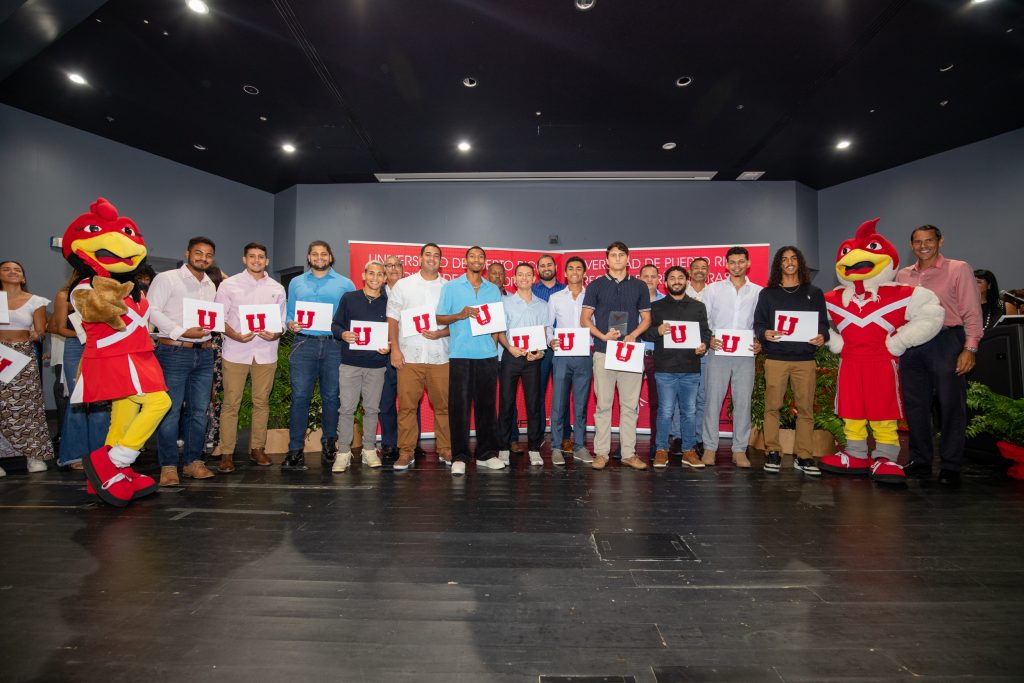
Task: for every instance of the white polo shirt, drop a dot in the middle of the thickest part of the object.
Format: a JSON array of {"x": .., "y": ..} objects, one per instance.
[{"x": 413, "y": 291}]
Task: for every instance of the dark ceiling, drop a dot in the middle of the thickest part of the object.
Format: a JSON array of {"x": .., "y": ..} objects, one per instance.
[{"x": 376, "y": 86}]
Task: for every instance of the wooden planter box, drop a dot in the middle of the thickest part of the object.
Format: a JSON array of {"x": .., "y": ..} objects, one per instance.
[
  {"x": 822, "y": 442},
  {"x": 277, "y": 441}
]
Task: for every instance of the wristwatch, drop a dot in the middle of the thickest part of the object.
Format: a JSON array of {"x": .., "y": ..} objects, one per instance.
[{"x": 972, "y": 349}]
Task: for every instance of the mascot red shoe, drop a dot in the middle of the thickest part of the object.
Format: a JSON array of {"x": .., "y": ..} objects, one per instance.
[
  {"x": 877, "y": 321},
  {"x": 118, "y": 363}
]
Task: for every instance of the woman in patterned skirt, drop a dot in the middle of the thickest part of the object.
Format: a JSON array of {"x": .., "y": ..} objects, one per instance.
[
  {"x": 216, "y": 391},
  {"x": 22, "y": 414}
]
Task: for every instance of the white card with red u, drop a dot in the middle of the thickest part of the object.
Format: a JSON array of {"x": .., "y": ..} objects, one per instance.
[
  {"x": 735, "y": 342},
  {"x": 208, "y": 315},
  {"x": 260, "y": 318},
  {"x": 624, "y": 356},
  {"x": 572, "y": 341},
  {"x": 417, "y": 320},
  {"x": 682, "y": 334},
  {"x": 796, "y": 326},
  {"x": 312, "y": 316},
  {"x": 532, "y": 338},
  {"x": 11, "y": 363},
  {"x": 490, "y": 318},
  {"x": 370, "y": 336}
]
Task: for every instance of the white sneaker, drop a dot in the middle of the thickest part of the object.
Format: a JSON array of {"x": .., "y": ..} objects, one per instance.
[
  {"x": 458, "y": 468},
  {"x": 491, "y": 464},
  {"x": 342, "y": 462},
  {"x": 370, "y": 458},
  {"x": 3, "y": 472},
  {"x": 535, "y": 459},
  {"x": 557, "y": 458},
  {"x": 503, "y": 456},
  {"x": 180, "y": 443},
  {"x": 36, "y": 465}
]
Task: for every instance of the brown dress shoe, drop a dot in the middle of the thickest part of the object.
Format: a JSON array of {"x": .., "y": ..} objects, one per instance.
[
  {"x": 600, "y": 462},
  {"x": 196, "y": 470},
  {"x": 169, "y": 476},
  {"x": 227, "y": 464},
  {"x": 567, "y": 446},
  {"x": 708, "y": 458},
  {"x": 739, "y": 459},
  {"x": 661, "y": 458},
  {"x": 515, "y": 447},
  {"x": 258, "y": 457},
  {"x": 635, "y": 462},
  {"x": 691, "y": 459}
]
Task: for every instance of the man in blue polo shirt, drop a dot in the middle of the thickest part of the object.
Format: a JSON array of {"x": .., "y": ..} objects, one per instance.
[
  {"x": 315, "y": 354},
  {"x": 472, "y": 365},
  {"x": 616, "y": 306}
]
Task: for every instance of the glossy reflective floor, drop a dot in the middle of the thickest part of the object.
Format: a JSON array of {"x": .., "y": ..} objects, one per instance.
[{"x": 374, "y": 575}]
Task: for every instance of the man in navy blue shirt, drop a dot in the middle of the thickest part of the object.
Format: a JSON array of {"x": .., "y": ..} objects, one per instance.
[{"x": 546, "y": 285}]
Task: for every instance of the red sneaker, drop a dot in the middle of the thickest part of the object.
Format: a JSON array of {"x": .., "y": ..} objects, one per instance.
[
  {"x": 142, "y": 484},
  {"x": 842, "y": 462},
  {"x": 111, "y": 484},
  {"x": 885, "y": 471}
]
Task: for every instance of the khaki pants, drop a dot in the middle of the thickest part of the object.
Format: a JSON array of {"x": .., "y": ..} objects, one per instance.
[
  {"x": 234, "y": 384},
  {"x": 412, "y": 379},
  {"x": 605, "y": 383},
  {"x": 800, "y": 375}
]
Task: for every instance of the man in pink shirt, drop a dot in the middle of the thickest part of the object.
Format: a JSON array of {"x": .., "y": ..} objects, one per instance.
[
  {"x": 248, "y": 354},
  {"x": 939, "y": 367}
]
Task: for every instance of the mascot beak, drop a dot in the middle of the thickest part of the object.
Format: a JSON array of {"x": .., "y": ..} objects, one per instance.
[
  {"x": 116, "y": 252},
  {"x": 860, "y": 264}
]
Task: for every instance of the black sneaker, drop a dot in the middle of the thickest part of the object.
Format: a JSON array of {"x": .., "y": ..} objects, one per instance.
[
  {"x": 294, "y": 461},
  {"x": 699, "y": 447},
  {"x": 918, "y": 469},
  {"x": 807, "y": 466},
  {"x": 948, "y": 478},
  {"x": 328, "y": 452},
  {"x": 675, "y": 446},
  {"x": 772, "y": 462}
]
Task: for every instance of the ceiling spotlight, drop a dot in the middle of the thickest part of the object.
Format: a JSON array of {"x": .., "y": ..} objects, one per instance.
[
  {"x": 263, "y": 118},
  {"x": 464, "y": 146},
  {"x": 250, "y": 90},
  {"x": 198, "y": 6},
  {"x": 201, "y": 148},
  {"x": 684, "y": 81},
  {"x": 669, "y": 145},
  {"x": 288, "y": 147},
  {"x": 469, "y": 82},
  {"x": 77, "y": 79},
  {"x": 145, "y": 21},
  {"x": 739, "y": 106},
  {"x": 584, "y": 5},
  {"x": 538, "y": 113},
  {"x": 943, "y": 103},
  {"x": 842, "y": 144},
  {"x": 166, "y": 33},
  {"x": 945, "y": 68},
  {"x": 977, "y": 2}
]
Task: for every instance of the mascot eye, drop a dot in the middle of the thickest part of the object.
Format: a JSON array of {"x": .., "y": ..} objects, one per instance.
[
  {"x": 130, "y": 231},
  {"x": 875, "y": 246},
  {"x": 845, "y": 251},
  {"x": 92, "y": 228}
]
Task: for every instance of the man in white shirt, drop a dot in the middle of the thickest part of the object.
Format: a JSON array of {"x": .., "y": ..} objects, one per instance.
[
  {"x": 730, "y": 304},
  {"x": 695, "y": 290},
  {"x": 186, "y": 356},
  {"x": 571, "y": 373},
  {"x": 421, "y": 360}
]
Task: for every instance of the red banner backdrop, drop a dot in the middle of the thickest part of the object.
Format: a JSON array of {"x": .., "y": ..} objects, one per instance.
[{"x": 453, "y": 264}]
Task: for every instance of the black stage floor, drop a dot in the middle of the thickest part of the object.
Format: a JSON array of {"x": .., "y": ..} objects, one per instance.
[{"x": 374, "y": 575}]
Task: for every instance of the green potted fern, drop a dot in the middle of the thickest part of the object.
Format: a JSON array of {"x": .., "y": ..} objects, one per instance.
[{"x": 1000, "y": 417}]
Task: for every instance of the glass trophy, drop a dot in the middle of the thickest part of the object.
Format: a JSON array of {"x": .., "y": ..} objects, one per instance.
[{"x": 618, "y": 320}]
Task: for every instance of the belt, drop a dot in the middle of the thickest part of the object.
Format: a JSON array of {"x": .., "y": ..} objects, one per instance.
[{"x": 208, "y": 344}]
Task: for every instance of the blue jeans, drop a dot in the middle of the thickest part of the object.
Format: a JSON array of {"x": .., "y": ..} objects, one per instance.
[
  {"x": 546, "y": 371},
  {"x": 698, "y": 425},
  {"x": 676, "y": 389},
  {"x": 388, "y": 417},
  {"x": 575, "y": 373},
  {"x": 85, "y": 424},
  {"x": 313, "y": 357},
  {"x": 188, "y": 374}
]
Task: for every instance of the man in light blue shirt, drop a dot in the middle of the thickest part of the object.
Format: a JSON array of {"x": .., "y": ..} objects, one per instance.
[
  {"x": 472, "y": 365},
  {"x": 315, "y": 354},
  {"x": 522, "y": 309}
]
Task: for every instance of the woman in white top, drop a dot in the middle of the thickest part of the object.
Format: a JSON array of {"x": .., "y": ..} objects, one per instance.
[{"x": 22, "y": 414}]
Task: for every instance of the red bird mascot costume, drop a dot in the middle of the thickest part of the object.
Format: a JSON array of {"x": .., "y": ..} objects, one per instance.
[
  {"x": 877, "y": 321},
  {"x": 118, "y": 364}
]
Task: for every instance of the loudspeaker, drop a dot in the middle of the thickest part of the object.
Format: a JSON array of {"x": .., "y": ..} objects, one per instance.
[{"x": 1000, "y": 360}]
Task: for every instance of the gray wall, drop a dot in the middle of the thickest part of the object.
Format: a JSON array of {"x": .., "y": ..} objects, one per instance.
[
  {"x": 50, "y": 173},
  {"x": 522, "y": 215},
  {"x": 975, "y": 194}
]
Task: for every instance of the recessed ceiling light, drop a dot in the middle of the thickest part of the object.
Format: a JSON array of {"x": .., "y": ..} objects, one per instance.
[
  {"x": 145, "y": 21},
  {"x": 684, "y": 81},
  {"x": 669, "y": 145},
  {"x": 739, "y": 106},
  {"x": 750, "y": 175},
  {"x": 288, "y": 147},
  {"x": 871, "y": 111},
  {"x": 100, "y": 21},
  {"x": 538, "y": 113},
  {"x": 250, "y": 90},
  {"x": 977, "y": 2},
  {"x": 943, "y": 103},
  {"x": 110, "y": 119},
  {"x": 201, "y": 148},
  {"x": 77, "y": 79},
  {"x": 198, "y": 6},
  {"x": 584, "y": 5},
  {"x": 946, "y": 68},
  {"x": 263, "y": 118},
  {"x": 464, "y": 146},
  {"x": 843, "y": 144},
  {"x": 469, "y": 82},
  {"x": 166, "y": 33}
]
